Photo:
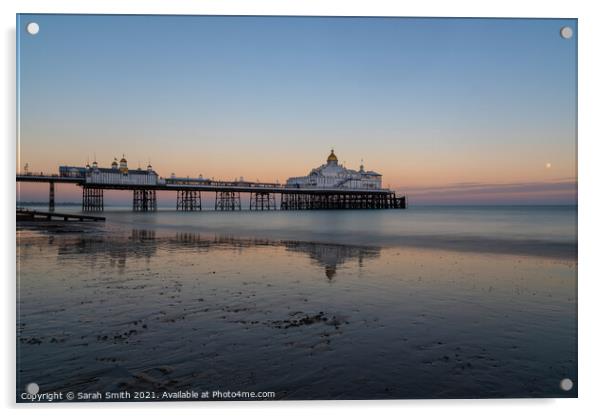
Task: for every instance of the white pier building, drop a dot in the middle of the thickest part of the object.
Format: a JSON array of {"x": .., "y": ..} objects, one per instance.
[
  {"x": 333, "y": 175},
  {"x": 119, "y": 174}
]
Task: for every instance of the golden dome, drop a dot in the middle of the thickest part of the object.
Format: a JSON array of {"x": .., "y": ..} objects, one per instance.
[
  {"x": 123, "y": 160},
  {"x": 332, "y": 157}
]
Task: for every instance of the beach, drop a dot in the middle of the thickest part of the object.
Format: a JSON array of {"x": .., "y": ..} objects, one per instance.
[{"x": 461, "y": 302}]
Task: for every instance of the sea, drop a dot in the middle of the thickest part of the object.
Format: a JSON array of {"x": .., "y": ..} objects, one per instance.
[{"x": 428, "y": 302}]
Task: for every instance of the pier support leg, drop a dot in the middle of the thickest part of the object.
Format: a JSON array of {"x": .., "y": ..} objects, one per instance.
[
  {"x": 51, "y": 197},
  {"x": 227, "y": 200},
  {"x": 262, "y": 201},
  {"x": 92, "y": 199},
  {"x": 144, "y": 200},
  {"x": 188, "y": 200}
]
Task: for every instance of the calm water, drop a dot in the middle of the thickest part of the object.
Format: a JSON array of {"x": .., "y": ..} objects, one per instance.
[{"x": 423, "y": 303}]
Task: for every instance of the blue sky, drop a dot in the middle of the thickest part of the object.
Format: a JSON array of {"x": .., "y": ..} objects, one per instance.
[{"x": 426, "y": 102}]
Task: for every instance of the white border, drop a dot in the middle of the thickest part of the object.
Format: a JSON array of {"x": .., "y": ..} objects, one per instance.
[{"x": 590, "y": 68}]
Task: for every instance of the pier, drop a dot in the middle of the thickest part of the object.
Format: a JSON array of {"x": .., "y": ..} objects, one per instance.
[
  {"x": 261, "y": 196},
  {"x": 328, "y": 187}
]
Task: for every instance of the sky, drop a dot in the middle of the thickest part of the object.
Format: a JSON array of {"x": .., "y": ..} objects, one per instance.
[{"x": 449, "y": 111}]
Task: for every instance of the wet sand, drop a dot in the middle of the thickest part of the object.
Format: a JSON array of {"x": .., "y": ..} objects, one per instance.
[{"x": 158, "y": 310}]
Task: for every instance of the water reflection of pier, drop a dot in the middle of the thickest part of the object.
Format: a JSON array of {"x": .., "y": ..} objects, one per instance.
[
  {"x": 331, "y": 256},
  {"x": 140, "y": 244},
  {"x": 144, "y": 244}
]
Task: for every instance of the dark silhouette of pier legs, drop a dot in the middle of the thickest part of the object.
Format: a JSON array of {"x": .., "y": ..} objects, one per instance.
[
  {"x": 145, "y": 200},
  {"x": 188, "y": 200},
  {"x": 51, "y": 197},
  {"x": 401, "y": 202},
  {"x": 262, "y": 201},
  {"x": 339, "y": 201},
  {"x": 92, "y": 199},
  {"x": 227, "y": 200}
]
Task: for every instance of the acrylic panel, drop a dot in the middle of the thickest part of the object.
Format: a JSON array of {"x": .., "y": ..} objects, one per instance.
[{"x": 295, "y": 208}]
